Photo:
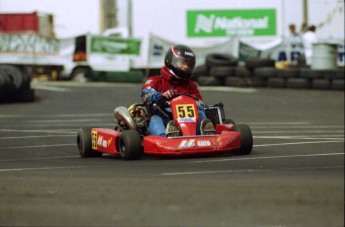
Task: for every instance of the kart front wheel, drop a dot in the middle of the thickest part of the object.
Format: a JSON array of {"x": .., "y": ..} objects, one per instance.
[
  {"x": 130, "y": 145},
  {"x": 84, "y": 142},
  {"x": 246, "y": 138}
]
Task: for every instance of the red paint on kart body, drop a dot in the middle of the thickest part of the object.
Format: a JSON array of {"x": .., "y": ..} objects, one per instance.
[
  {"x": 105, "y": 140},
  {"x": 223, "y": 127},
  {"x": 192, "y": 145},
  {"x": 185, "y": 114}
]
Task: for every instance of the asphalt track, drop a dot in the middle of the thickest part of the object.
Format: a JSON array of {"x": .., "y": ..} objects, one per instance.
[{"x": 294, "y": 176}]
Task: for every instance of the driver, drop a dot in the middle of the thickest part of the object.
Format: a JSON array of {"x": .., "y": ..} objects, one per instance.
[{"x": 175, "y": 78}]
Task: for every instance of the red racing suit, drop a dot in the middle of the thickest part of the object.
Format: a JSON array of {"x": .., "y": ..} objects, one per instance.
[{"x": 156, "y": 85}]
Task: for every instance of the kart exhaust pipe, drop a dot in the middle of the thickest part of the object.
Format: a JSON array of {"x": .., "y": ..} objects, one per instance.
[{"x": 122, "y": 114}]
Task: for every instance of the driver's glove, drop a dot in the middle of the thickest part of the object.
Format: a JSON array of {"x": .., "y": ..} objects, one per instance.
[
  {"x": 169, "y": 94},
  {"x": 166, "y": 96}
]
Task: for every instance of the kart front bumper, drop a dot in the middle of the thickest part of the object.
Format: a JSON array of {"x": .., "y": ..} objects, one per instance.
[{"x": 225, "y": 142}]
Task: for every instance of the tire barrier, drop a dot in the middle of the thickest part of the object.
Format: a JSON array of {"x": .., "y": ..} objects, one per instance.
[
  {"x": 14, "y": 85},
  {"x": 224, "y": 70},
  {"x": 213, "y": 60}
]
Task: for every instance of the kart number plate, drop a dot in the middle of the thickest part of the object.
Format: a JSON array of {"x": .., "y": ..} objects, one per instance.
[{"x": 185, "y": 113}]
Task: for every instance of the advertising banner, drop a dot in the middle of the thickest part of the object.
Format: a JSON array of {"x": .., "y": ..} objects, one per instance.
[
  {"x": 29, "y": 49},
  {"x": 112, "y": 54},
  {"x": 158, "y": 48},
  {"x": 108, "y": 45},
  {"x": 225, "y": 23}
]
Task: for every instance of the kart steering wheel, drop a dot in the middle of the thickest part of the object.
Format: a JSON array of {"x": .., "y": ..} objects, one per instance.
[
  {"x": 167, "y": 103},
  {"x": 186, "y": 94}
]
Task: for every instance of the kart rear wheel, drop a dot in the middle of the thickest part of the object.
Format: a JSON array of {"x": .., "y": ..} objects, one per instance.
[
  {"x": 84, "y": 141},
  {"x": 130, "y": 145},
  {"x": 246, "y": 138}
]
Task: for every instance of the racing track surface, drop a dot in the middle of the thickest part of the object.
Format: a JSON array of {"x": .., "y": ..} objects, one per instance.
[{"x": 294, "y": 176}]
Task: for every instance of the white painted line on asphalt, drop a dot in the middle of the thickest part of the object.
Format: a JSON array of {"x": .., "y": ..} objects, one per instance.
[
  {"x": 246, "y": 170},
  {"x": 38, "y": 131},
  {"x": 55, "y": 115},
  {"x": 228, "y": 89},
  {"x": 37, "y": 159},
  {"x": 297, "y": 126},
  {"x": 39, "y": 146},
  {"x": 86, "y": 84},
  {"x": 304, "y": 137},
  {"x": 48, "y": 88},
  {"x": 68, "y": 120},
  {"x": 42, "y": 168},
  {"x": 283, "y": 123},
  {"x": 33, "y": 137},
  {"x": 269, "y": 157},
  {"x": 300, "y": 131},
  {"x": 211, "y": 172},
  {"x": 296, "y": 143}
]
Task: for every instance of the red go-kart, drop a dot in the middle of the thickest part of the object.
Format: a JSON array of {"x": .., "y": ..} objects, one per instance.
[{"x": 129, "y": 137}]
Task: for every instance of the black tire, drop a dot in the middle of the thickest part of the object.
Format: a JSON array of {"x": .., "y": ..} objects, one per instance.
[
  {"x": 6, "y": 88},
  {"x": 334, "y": 74},
  {"x": 242, "y": 71},
  {"x": 311, "y": 73},
  {"x": 130, "y": 145},
  {"x": 288, "y": 73},
  {"x": 256, "y": 63},
  {"x": 15, "y": 75},
  {"x": 256, "y": 82},
  {"x": 209, "y": 81},
  {"x": 199, "y": 71},
  {"x": 220, "y": 60},
  {"x": 246, "y": 138},
  {"x": 265, "y": 72},
  {"x": 298, "y": 83},
  {"x": 222, "y": 71},
  {"x": 235, "y": 82},
  {"x": 276, "y": 82},
  {"x": 84, "y": 142},
  {"x": 337, "y": 84},
  {"x": 81, "y": 74},
  {"x": 25, "y": 96},
  {"x": 323, "y": 84}
]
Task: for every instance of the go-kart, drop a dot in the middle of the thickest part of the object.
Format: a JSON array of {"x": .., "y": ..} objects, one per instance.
[{"x": 130, "y": 139}]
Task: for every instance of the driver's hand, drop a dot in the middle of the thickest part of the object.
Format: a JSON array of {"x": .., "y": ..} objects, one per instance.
[
  {"x": 169, "y": 94},
  {"x": 166, "y": 96}
]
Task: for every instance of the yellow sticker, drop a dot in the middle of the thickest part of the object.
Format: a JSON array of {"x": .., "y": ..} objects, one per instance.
[
  {"x": 185, "y": 110},
  {"x": 185, "y": 113},
  {"x": 94, "y": 139}
]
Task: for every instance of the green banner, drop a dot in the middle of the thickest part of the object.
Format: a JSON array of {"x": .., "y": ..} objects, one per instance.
[
  {"x": 222, "y": 23},
  {"x": 108, "y": 45}
]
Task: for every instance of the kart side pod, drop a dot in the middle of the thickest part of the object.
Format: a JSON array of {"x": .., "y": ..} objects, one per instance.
[{"x": 122, "y": 114}]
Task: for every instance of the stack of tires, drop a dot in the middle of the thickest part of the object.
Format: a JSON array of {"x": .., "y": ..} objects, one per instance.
[
  {"x": 216, "y": 70},
  {"x": 223, "y": 70},
  {"x": 14, "y": 85}
]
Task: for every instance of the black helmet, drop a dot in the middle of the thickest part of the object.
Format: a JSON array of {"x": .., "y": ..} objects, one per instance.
[{"x": 180, "y": 60}]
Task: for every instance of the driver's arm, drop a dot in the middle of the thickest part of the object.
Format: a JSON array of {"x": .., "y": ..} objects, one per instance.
[{"x": 149, "y": 93}]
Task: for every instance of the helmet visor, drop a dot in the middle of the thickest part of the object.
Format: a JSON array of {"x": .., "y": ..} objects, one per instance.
[{"x": 183, "y": 64}]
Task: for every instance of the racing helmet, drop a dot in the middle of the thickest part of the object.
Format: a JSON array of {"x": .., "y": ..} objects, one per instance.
[{"x": 180, "y": 60}]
